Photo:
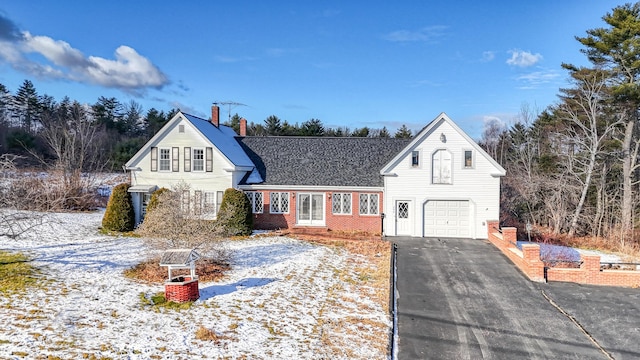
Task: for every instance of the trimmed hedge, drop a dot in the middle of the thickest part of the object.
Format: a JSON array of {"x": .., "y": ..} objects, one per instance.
[
  {"x": 235, "y": 215},
  {"x": 119, "y": 215}
]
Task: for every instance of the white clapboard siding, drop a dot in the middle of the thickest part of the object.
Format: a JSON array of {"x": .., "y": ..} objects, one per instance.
[
  {"x": 217, "y": 180},
  {"x": 479, "y": 185}
]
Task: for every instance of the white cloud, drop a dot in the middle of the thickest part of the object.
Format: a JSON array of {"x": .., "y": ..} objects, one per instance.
[
  {"x": 426, "y": 34},
  {"x": 536, "y": 78},
  {"x": 129, "y": 70},
  {"x": 523, "y": 58}
]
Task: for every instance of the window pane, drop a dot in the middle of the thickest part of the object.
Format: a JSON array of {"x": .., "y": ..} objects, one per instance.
[
  {"x": 258, "y": 202},
  {"x": 305, "y": 207},
  {"x": 198, "y": 160},
  {"x": 165, "y": 160},
  {"x": 346, "y": 203},
  {"x": 219, "y": 196},
  {"x": 317, "y": 207},
  {"x": 373, "y": 204},
  {"x": 468, "y": 159},
  {"x": 415, "y": 158},
  {"x": 284, "y": 202},
  {"x": 209, "y": 202},
  {"x": 275, "y": 202},
  {"x": 364, "y": 203},
  {"x": 336, "y": 203}
]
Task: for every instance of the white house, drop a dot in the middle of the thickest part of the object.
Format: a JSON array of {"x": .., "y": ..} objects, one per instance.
[
  {"x": 198, "y": 152},
  {"x": 441, "y": 184}
]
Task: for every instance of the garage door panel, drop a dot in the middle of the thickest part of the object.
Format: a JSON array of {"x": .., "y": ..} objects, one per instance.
[{"x": 447, "y": 218}]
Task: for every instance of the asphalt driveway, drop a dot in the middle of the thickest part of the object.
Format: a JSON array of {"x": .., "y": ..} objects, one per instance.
[{"x": 462, "y": 299}]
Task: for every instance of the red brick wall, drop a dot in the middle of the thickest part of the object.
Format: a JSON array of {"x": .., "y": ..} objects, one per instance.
[
  {"x": 528, "y": 260},
  {"x": 353, "y": 222}
]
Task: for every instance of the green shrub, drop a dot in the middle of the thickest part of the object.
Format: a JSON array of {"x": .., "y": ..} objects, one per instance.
[
  {"x": 235, "y": 217},
  {"x": 155, "y": 198},
  {"x": 119, "y": 215}
]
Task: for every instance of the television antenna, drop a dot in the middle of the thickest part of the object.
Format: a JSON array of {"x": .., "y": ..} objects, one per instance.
[{"x": 230, "y": 105}]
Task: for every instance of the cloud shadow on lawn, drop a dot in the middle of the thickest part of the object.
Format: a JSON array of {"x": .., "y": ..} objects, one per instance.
[{"x": 215, "y": 290}]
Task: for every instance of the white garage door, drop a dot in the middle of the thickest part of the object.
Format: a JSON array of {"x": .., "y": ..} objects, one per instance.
[{"x": 446, "y": 218}]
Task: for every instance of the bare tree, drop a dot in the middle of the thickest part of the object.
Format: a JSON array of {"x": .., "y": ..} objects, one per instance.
[
  {"x": 588, "y": 128},
  {"x": 178, "y": 221},
  {"x": 13, "y": 221}
]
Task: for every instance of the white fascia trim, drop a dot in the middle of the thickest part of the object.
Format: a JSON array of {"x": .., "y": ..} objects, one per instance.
[
  {"x": 311, "y": 188},
  {"x": 239, "y": 168}
]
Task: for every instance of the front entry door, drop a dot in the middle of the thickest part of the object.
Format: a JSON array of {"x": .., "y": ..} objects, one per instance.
[
  {"x": 311, "y": 209},
  {"x": 403, "y": 217}
]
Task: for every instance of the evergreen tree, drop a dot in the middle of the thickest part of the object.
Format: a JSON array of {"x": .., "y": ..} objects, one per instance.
[
  {"x": 403, "y": 133},
  {"x": 273, "y": 126},
  {"x": 27, "y": 106},
  {"x": 312, "y": 127},
  {"x": 364, "y": 132}
]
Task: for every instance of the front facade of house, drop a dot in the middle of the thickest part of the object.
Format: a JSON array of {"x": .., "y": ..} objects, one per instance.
[{"x": 440, "y": 183}]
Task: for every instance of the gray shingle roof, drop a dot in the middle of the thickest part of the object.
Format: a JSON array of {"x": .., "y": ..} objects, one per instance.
[{"x": 321, "y": 161}]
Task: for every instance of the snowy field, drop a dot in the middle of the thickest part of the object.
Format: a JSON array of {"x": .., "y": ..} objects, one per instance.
[{"x": 283, "y": 299}]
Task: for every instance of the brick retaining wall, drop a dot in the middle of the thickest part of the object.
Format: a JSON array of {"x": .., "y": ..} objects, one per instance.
[{"x": 528, "y": 261}]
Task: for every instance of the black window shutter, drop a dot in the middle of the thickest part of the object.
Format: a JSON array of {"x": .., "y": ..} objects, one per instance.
[
  {"x": 154, "y": 159},
  {"x": 175, "y": 159}
]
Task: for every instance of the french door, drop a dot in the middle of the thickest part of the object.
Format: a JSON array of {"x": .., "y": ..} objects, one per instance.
[{"x": 310, "y": 209}]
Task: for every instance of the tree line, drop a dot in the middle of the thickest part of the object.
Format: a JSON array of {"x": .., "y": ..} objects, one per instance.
[
  {"x": 70, "y": 136},
  {"x": 574, "y": 167}
]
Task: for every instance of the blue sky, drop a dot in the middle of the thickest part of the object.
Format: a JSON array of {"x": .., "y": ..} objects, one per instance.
[{"x": 347, "y": 63}]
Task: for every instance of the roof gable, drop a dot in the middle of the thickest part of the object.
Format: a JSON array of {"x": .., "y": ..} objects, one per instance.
[
  {"x": 430, "y": 129},
  {"x": 221, "y": 137},
  {"x": 320, "y": 161}
]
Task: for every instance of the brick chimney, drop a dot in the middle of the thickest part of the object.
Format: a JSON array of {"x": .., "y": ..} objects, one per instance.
[
  {"x": 243, "y": 127},
  {"x": 215, "y": 115}
]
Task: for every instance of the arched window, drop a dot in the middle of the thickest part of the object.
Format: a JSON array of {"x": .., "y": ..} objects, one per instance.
[{"x": 441, "y": 167}]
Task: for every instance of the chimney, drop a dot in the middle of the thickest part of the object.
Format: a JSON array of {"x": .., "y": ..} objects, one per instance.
[
  {"x": 215, "y": 115},
  {"x": 243, "y": 127}
]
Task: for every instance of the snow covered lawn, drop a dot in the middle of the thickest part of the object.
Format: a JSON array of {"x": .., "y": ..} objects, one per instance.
[{"x": 283, "y": 299}]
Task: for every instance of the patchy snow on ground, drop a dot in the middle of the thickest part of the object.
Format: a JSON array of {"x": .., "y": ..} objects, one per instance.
[{"x": 282, "y": 299}]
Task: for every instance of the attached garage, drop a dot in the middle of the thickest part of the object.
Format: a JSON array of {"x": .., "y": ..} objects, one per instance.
[{"x": 447, "y": 218}]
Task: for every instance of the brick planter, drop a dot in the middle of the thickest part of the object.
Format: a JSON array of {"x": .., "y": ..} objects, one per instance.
[{"x": 181, "y": 289}]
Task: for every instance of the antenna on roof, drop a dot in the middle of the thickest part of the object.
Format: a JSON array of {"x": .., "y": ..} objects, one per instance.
[{"x": 230, "y": 105}]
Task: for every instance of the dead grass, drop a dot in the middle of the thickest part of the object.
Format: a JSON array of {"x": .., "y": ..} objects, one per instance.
[
  {"x": 16, "y": 273},
  {"x": 377, "y": 273},
  {"x": 150, "y": 271}
]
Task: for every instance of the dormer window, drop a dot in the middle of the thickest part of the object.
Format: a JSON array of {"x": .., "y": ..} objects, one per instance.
[{"x": 415, "y": 158}]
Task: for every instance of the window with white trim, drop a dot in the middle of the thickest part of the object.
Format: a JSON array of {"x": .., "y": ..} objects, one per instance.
[
  {"x": 441, "y": 165},
  {"x": 212, "y": 201},
  {"x": 468, "y": 159},
  {"x": 255, "y": 197},
  {"x": 165, "y": 159},
  {"x": 341, "y": 203},
  {"x": 415, "y": 158},
  {"x": 369, "y": 204},
  {"x": 198, "y": 159},
  {"x": 279, "y": 203}
]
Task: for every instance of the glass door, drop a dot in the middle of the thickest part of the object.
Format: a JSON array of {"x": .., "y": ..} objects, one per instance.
[{"x": 311, "y": 209}]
